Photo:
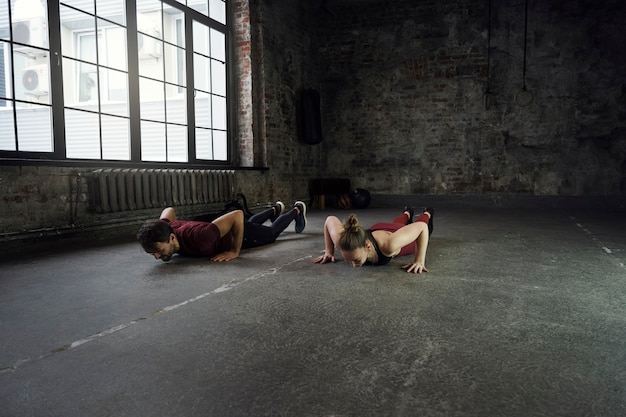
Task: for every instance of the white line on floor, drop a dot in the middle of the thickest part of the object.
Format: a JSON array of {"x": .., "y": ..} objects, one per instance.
[
  {"x": 605, "y": 249},
  {"x": 226, "y": 287}
]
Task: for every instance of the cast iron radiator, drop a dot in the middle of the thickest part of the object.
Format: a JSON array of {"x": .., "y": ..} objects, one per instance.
[{"x": 114, "y": 190}]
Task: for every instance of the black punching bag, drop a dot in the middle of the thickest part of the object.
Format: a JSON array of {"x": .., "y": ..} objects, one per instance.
[{"x": 309, "y": 117}]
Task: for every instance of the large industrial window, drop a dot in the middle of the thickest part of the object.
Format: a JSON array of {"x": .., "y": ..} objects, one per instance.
[{"x": 114, "y": 80}]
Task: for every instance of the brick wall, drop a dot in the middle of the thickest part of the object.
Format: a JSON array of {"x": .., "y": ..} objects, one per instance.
[
  {"x": 284, "y": 61},
  {"x": 404, "y": 97}
]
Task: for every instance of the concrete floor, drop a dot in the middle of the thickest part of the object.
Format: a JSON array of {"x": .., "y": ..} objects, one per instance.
[{"x": 523, "y": 313}]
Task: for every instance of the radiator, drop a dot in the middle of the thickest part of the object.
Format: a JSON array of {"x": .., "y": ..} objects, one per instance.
[{"x": 114, "y": 190}]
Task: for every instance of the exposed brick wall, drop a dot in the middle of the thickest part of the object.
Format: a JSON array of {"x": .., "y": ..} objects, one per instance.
[
  {"x": 243, "y": 70},
  {"x": 284, "y": 62},
  {"x": 405, "y": 113}
]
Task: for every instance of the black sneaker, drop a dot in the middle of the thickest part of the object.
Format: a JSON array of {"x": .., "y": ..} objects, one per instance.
[
  {"x": 301, "y": 218},
  {"x": 431, "y": 224},
  {"x": 279, "y": 208},
  {"x": 411, "y": 211}
]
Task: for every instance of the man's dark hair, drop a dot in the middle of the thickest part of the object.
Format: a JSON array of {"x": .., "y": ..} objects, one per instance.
[{"x": 152, "y": 232}]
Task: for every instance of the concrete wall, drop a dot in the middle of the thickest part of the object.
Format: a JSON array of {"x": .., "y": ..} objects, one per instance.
[{"x": 403, "y": 95}]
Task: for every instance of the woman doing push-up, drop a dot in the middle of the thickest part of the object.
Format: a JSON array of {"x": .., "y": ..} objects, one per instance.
[{"x": 381, "y": 242}]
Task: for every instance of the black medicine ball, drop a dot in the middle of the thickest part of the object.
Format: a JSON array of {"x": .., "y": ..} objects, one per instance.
[{"x": 360, "y": 198}]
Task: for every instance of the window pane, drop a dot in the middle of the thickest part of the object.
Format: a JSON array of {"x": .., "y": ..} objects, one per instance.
[
  {"x": 176, "y": 143},
  {"x": 75, "y": 25},
  {"x": 86, "y": 5},
  {"x": 71, "y": 82},
  {"x": 114, "y": 87},
  {"x": 211, "y": 144},
  {"x": 149, "y": 19},
  {"x": 220, "y": 145},
  {"x": 218, "y": 78},
  {"x": 179, "y": 31},
  {"x": 219, "y": 113},
  {"x": 217, "y": 10},
  {"x": 79, "y": 83},
  {"x": 87, "y": 83},
  {"x": 34, "y": 128},
  {"x": 218, "y": 45},
  {"x": 204, "y": 145},
  {"x": 201, "y": 38},
  {"x": 113, "y": 10},
  {"x": 4, "y": 21},
  {"x": 201, "y": 71},
  {"x": 150, "y": 50},
  {"x": 7, "y": 127},
  {"x": 32, "y": 76},
  {"x": 115, "y": 138},
  {"x": 152, "y": 99},
  {"x": 173, "y": 19},
  {"x": 6, "y": 81},
  {"x": 82, "y": 134},
  {"x": 176, "y": 106},
  {"x": 153, "y": 141},
  {"x": 200, "y": 6},
  {"x": 202, "y": 104},
  {"x": 174, "y": 60},
  {"x": 111, "y": 45},
  {"x": 30, "y": 23},
  {"x": 87, "y": 50}
]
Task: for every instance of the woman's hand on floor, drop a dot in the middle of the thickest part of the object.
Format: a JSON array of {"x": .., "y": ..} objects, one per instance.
[
  {"x": 415, "y": 267},
  {"x": 323, "y": 259}
]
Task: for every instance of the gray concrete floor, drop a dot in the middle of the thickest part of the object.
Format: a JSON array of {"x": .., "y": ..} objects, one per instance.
[{"x": 523, "y": 313}]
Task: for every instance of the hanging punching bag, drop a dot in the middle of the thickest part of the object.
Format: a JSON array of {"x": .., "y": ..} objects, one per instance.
[{"x": 309, "y": 117}]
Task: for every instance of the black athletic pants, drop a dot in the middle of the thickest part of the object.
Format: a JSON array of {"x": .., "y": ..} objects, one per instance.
[{"x": 255, "y": 233}]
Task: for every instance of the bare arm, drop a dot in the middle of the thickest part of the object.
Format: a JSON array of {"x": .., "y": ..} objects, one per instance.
[
  {"x": 231, "y": 222},
  {"x": 419, "y": 264},
  {"x": 414, "y": 232},
  {"x": 332, "y": 232}
]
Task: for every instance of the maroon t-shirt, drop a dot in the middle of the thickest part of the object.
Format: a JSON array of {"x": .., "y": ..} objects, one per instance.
[{"x": 200, "y": 238}]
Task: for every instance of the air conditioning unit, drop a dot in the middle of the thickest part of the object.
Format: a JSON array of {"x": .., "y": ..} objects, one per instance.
[
  {"x": 148, "y": 46},
  {"x": 35, "y": 80},
  {"x": 32, "y": 31},
  {"x": 30, "y": 26}
]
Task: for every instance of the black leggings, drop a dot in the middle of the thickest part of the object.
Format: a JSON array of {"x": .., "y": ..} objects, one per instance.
[{"x": 256, "y": 234}]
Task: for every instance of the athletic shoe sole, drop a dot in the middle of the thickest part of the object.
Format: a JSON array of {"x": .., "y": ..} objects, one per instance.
[{"x": 301, "y": 218}]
